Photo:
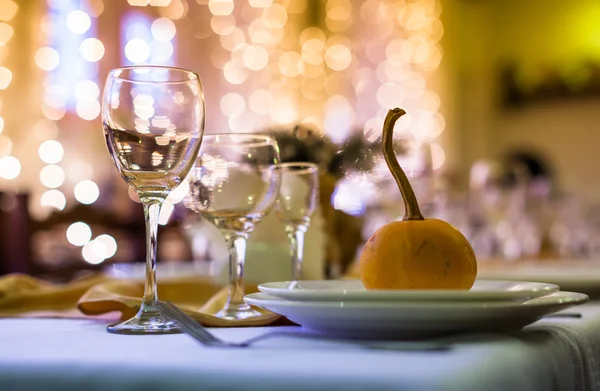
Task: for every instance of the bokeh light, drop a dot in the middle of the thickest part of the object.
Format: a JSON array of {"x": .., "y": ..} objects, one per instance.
[
  {"x": 275, "y": 16},
  {"x": 54, "y": 199},
  {"x": 52, "y": 176},
  {"x": 255, "y": 57},
  {"x": 94, "y": 252},
  {"x": 221, "y": 7},
  {"x": 6, "y": 33},
  {"x": 176, "y": 9},
  {"x": 8, "y": 9},
  {"x": 92, "y": 49},
  {"x": 137, "y": 50},
  {"x": 78, "y": 22},
  {"x": 234, "y": 73},
  {"x": 51, "y": 151},
  {"x": 260, "y": 3},
  {"x": 10, "y": 167},
  {"x": 338, "y": 57},
  {"x": 163, "y": 29},
  {"x": 232, "y": 105},
  {"x": 88, "y": 109},
  {"x": 87, "y": 90},
  {"x": 53, "y": 113},
  {"x": 109, "y": 243},
  {"x": 87, "y": 192},
  {"x": 47, "y": 58},
  {"x": 5, "y": 78},
  {"x": 138, "y": 3},
  {"x": 79, "y": 233}
]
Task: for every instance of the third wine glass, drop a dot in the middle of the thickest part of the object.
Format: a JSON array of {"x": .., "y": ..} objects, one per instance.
[{"x": 297, "y": 202}]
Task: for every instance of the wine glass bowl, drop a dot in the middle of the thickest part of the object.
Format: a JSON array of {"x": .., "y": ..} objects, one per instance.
[
  {"x": 298, "y": 193},
  {"x": 233, "y": 185},
  {"x": 153, "y": 119}
]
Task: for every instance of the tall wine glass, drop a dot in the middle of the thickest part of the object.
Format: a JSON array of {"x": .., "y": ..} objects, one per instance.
[
  {"x": 233, "y": 185},
  {"x": 297, "y": 202},
  {"x": 153, "y": 124}
]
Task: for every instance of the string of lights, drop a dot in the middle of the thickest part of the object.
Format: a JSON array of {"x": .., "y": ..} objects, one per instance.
[
  {"x": 334, "y": 65},
  {"x": 69, "y": 57},
  {"x": 10, "y": 166}
]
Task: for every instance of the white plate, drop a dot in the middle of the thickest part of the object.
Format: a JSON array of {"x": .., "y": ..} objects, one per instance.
[
  {"x": 576, "y": 276},
  {"x": 353, "y": 290},
  {"x": 383, "y": 320}
]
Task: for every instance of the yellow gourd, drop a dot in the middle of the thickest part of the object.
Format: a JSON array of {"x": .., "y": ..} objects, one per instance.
[{"x": 414, "y": 253}]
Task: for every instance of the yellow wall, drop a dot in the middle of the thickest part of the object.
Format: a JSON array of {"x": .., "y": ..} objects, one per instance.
[
  {"x": 537, "y": 34},
  {"x": 540, "y": 31}
]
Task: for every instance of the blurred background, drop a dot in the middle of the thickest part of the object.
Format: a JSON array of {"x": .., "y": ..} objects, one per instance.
[{"x": 500, "y": 138}]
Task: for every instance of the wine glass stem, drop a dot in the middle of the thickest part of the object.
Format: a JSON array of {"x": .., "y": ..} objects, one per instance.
[
  {"x": 237, "y": 255},
  {"x": 151, "y": 212},
  {"x": 296, "y": 238}
]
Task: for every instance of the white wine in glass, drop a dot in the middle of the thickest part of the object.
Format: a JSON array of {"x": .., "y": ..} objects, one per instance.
[{"x": 153, "y": 121}]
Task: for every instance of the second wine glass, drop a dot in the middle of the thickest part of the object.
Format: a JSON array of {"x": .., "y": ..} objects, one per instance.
[
  {"x": 233, "y": 185},
  {"x": 297, "y": 202}
]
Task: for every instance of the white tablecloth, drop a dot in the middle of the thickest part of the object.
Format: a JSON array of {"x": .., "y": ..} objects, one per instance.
[{"x": 61, "y": 354}]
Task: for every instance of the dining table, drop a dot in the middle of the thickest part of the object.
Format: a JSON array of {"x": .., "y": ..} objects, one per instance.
[{"x": 554, "y": 353}]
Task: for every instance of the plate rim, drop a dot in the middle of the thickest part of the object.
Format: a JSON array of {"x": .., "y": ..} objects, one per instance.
[
  {"x": 573, "y": 298},
  {"x": 400, "y": 295}
]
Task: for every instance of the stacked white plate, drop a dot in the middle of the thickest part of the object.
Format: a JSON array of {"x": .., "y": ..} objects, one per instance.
[{"x": 344, "y": 308}]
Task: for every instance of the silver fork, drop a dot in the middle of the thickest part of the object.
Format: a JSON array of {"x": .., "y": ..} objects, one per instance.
[{"x": 205, "y": 337}]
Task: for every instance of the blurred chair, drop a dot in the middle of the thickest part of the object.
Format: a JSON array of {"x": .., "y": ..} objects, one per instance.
[{"x": 15, "y": 248}]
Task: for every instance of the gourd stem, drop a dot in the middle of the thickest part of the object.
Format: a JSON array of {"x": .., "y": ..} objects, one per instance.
[{"x": 411, "y": 206}]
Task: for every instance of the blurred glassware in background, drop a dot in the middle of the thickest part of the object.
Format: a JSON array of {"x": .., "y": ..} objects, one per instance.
[{"x": 511, "y": 214}]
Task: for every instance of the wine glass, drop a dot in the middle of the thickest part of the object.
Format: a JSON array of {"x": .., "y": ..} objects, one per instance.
[
  {"x": 297, "y": 202},
  {"x": 233, "y": 185},
  {"x": 153, "y": 121}
]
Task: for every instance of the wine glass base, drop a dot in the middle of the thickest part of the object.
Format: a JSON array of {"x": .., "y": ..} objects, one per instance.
[
  {"x": 237, "y": 313},
  {"x": 146, "y": 322}
]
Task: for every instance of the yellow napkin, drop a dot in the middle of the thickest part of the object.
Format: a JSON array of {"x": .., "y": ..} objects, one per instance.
[{"x": 22, "y": 295}]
